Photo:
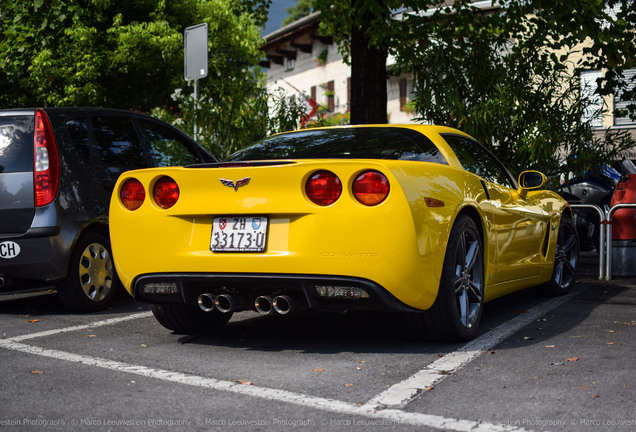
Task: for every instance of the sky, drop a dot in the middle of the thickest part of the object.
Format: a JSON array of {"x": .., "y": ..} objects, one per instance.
[{"x": 277, "y": 13}]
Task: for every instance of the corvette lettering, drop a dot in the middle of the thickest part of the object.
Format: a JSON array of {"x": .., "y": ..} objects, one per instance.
[
  {"x": 238, "y": 184},
  {"x": 348, "y": 255}
]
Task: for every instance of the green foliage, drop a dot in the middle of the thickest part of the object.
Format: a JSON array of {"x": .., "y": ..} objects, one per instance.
[
  {"x": 233, "y": 125},
  {"x": 90, "y": 52},
  {"x": 284, "y": 114},
  {"x": 330, "y": 119},
  {"x": 341, "y": 18},
  {"x": 511, "y": 79},
  {"x": 130, "y": 55},
  {"x": 302, "y": 9},
  {"x": 232, "y": 109},
  {"x": 321, "y": 58}
]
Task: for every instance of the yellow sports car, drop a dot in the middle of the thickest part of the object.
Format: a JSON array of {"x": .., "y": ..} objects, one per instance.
[{"x": 415, "y": 219}]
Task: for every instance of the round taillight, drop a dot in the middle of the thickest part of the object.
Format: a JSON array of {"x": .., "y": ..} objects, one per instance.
[
  {"x": 166, "y": 192},
  {"x": 132, "y": 194},
  {"x": 371, "y": 188},
  {"x": 323, "y": 188}
]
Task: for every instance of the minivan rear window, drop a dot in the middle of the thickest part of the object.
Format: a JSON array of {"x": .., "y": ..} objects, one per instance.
[
  {"x": 16, "y": 143},
  {"x": 167, "y": 147},
  {"x": 118, "y": 143}
]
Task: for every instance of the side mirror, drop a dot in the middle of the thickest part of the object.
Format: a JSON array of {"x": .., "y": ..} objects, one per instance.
[{"x": 529, "y": 180}]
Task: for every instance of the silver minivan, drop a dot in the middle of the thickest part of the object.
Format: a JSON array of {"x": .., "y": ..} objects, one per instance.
[{"x": 58, "y": 167}]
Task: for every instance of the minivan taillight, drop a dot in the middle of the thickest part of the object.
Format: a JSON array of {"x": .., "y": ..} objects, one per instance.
[
  {"x": 166, "y": 192},
  {"x": 132, "y": 194},
  {"x": 371, "y": 188},
  {"x": 46, "y": 164},
  {"x": 323, "y": 188}
]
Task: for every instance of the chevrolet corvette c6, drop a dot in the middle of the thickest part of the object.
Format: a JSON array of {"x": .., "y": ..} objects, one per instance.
[{"x": 415, "y": 219}]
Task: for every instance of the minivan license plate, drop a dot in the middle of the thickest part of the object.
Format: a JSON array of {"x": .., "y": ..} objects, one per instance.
[{"x": 239, "y": 234}]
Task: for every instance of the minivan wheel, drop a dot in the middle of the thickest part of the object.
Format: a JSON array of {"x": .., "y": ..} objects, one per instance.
[{"x": 91, "y": 282}]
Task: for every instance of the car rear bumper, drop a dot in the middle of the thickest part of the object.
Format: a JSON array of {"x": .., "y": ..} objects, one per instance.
[
  {"x": 339, "y": 294},
  {"x": 42, "y": 256}
]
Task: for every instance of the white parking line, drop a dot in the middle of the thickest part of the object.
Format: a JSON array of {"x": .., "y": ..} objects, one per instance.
[
  {"x": 338, "y": 407},
  {"x": 400, "y": 394},
  {"x": 385, "y": 406},
  {"x": 81, "y": 327}
]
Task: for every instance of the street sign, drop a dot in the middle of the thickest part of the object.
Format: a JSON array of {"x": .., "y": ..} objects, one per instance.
[{"x": 196, "y": 51}]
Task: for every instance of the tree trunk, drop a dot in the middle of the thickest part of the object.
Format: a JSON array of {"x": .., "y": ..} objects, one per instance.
[{"x": 368, "y": 77}]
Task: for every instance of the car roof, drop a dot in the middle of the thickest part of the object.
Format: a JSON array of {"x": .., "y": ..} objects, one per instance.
[
  {"x": 433, "y": 132},
  {"x": 74, "y": 110}
]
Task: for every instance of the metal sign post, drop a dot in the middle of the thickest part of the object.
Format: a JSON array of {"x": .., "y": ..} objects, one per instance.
[{"x": 195, "y": 55}]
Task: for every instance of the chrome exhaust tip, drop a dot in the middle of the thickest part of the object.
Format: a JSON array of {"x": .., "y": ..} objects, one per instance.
[
  {"x": 206, "y": 302},
  {"x": 263, "y": 305},
  {"x": 228, "y": 302},
  {"x": 284, "y": 304}
]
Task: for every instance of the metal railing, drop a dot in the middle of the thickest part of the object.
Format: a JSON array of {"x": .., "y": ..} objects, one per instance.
[
  {"x": 605, "y": 236},
  {"x": 601, "y": 252}
]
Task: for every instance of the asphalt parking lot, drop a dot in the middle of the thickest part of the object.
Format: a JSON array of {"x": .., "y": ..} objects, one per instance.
[{"x": 540, "y": 364}]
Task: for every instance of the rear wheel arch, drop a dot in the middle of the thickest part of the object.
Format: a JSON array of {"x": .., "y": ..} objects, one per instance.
[
  {"x": 479, "y": 220},
  {"x": 566, "y": 258},
  {"x": 456, "y": 312},
  {"x": 474, "y": 214}
]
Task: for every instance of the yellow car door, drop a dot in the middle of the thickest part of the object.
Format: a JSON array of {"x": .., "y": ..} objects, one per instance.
[{"x": 520, "y": 225}]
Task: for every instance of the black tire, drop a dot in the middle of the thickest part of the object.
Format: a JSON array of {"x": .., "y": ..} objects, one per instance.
[
  {"x": 91, "y": 283},
  {"x": 566, "y": 259},
  {"x": 187, "y": 319},
  {"x": 456, "y": 313}
]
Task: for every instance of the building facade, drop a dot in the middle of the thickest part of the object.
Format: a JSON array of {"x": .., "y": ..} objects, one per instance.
[{"x": 304, "y": 64}]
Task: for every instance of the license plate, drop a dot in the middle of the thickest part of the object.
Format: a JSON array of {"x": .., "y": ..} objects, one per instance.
[{"x": 239, "y": 234}]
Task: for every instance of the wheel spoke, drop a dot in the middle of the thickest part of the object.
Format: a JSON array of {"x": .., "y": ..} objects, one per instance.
[
  {"x": 475, "y": 291},
  {"x": 558, "y": 273},
  {"x": 461, "y": 257},
  {"x": 568, "y": 268},
  {"x": 95, "y": 272},
  {"x": 464, "y": 307},
  {"x": 459, "y": 285},
  {"x": 569, "y": 243},
  {"x": 472, "y": 254}
]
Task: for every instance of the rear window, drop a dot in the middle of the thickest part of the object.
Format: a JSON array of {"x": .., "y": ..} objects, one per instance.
[
  {"x": 167, "y": 147},
  {"x": 78, "y": 130},
  {"x": 117, "y": 142},
  {"x": 16, "y": 143},
  {"x": 345, "y": 143}
]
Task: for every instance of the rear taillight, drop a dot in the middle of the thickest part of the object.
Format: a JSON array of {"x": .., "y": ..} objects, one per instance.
[
  {"x": 46, "y": 172},
  {"x": 132, "y": 194},
  {"x": 323, "y": 188},
  {"x": 371, "y": 188},
  {"x": 166, "y": 192}
]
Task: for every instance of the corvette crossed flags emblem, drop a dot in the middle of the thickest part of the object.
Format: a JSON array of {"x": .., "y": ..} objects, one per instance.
[{"x": 238, "y": 184}]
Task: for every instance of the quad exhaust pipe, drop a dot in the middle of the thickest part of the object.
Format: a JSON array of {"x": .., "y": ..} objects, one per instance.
[
  {"x": 224, "y": 303},
  {"x": 265, "y": 305},
  {"x": 228, "y": 302},
  {"x": 206, "y": 302},
  {"x": 282, "y": 304}
]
